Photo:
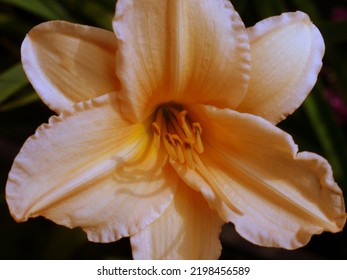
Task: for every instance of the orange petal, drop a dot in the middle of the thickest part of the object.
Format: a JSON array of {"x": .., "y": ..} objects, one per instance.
[
  {"x": 286, "y": 53},
  {"x": 187, "y": 52},
  {"x": 255, "y": 178},
  {"x": 68, "y": 63},
  {"x": 188, "y": 229},
  {"x": 91, "y": 168}
]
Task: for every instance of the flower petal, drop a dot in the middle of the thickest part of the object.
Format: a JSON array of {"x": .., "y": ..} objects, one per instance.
[
  {"x": 68, "y": 63},
  {"x": 186, "y": 52},
  {"x": 188, "y": 229},
  {"x": 91, "y": 168},
  {"x": 274, "y": 195},
  {"x": 286, "y": 54}
]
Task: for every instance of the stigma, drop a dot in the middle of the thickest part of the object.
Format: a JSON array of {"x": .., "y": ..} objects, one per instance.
[{"x": 180, "y": 136}]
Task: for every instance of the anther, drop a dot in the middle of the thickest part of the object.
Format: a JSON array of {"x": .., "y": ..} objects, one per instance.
[
  {"x": 197, "y": 130},
  {"x": 170, "y": 147},
  {"x": 156, "y": 128},
  {"x": 181, "y": 137},
  {"x": 178, "y": 147},
  {"x": 184, "y": 125}
]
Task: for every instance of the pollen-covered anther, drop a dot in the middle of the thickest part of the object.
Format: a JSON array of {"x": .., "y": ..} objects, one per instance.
[
  {"x": 180, "y": 136},
  {"x": 178, "y": 144},
  {"x": 184, "y": 125},
  {"x": 197, "y": 130},
  {"x": 156, "y": 128}
]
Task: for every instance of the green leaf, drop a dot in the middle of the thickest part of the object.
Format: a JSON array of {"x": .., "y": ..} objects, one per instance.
[
  {"x": 100, "y": 15},
  {"x": 22, "y": 100},
  {"x": 11, "y": 81},
  {"x": 48, "y": 10}
]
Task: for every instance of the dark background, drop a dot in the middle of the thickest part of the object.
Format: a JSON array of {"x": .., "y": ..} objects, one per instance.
[{"x": 320, "y": 125}]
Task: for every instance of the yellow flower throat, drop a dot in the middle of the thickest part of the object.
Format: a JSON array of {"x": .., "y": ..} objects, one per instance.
[
  {"x": 182, "y": 140},
  {"x": 180, "y": 136}
]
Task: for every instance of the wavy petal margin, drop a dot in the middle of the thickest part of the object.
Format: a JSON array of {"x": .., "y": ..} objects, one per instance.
[
  {"x": 254, "y": 177},
  {"x": 91, "y": 168},
  {"x": 186, "y": 52},
  {"x": 188, "y": 229},
  {"x": 286, "y": 55}
]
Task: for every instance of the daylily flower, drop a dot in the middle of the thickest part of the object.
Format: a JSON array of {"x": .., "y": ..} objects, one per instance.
[{"x": 166, "y": 130}]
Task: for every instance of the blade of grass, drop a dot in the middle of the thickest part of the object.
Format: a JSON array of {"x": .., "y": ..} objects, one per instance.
[
  {"x": 11, "y": 81},
  {"x": 48, "y": 10},
  {"x": 101, "y": 16},
  {"x": 20, "y": 101}
]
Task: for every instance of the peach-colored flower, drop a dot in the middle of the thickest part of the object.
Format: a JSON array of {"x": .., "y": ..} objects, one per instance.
[{"x": 166, "y": 130}]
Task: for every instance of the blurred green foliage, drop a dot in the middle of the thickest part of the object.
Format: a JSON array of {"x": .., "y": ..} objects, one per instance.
[{"x": 320, "y": 125}]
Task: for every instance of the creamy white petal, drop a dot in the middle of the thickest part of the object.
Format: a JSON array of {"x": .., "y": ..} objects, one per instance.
[
  {"x": 68, "y": 63},
  {"x": 93, "y": 169},
  {"x": 187, "y": 52},
  {"x": 188, "y": 229},
  {"x": 255, "y": 178},
  {"x": 286, "y": 55}
]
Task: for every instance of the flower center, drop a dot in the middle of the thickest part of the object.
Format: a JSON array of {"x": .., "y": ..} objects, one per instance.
[
  {"x": 180, "y": 136},
  {"x": 182, "y": 140}
]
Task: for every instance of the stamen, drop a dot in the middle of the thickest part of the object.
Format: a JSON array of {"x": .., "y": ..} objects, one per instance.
[
  {"x": 181, "y": 138},
  {"x": 188, "y": 147},
  {"x": 156, "y": 139},
  {"x": 170, "y": 147},
  {"x": 176, "y": 127},
  {"x": 159, "y": 117},
  {"x": 156, "y": 126},
  {"x": 210, "y": 179},
  {"x": 182, "y": 120},
  {"x": 178, "y": 145},
  {"x": 181, "y": 117},
  {"x": 197, "y": 130}
]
